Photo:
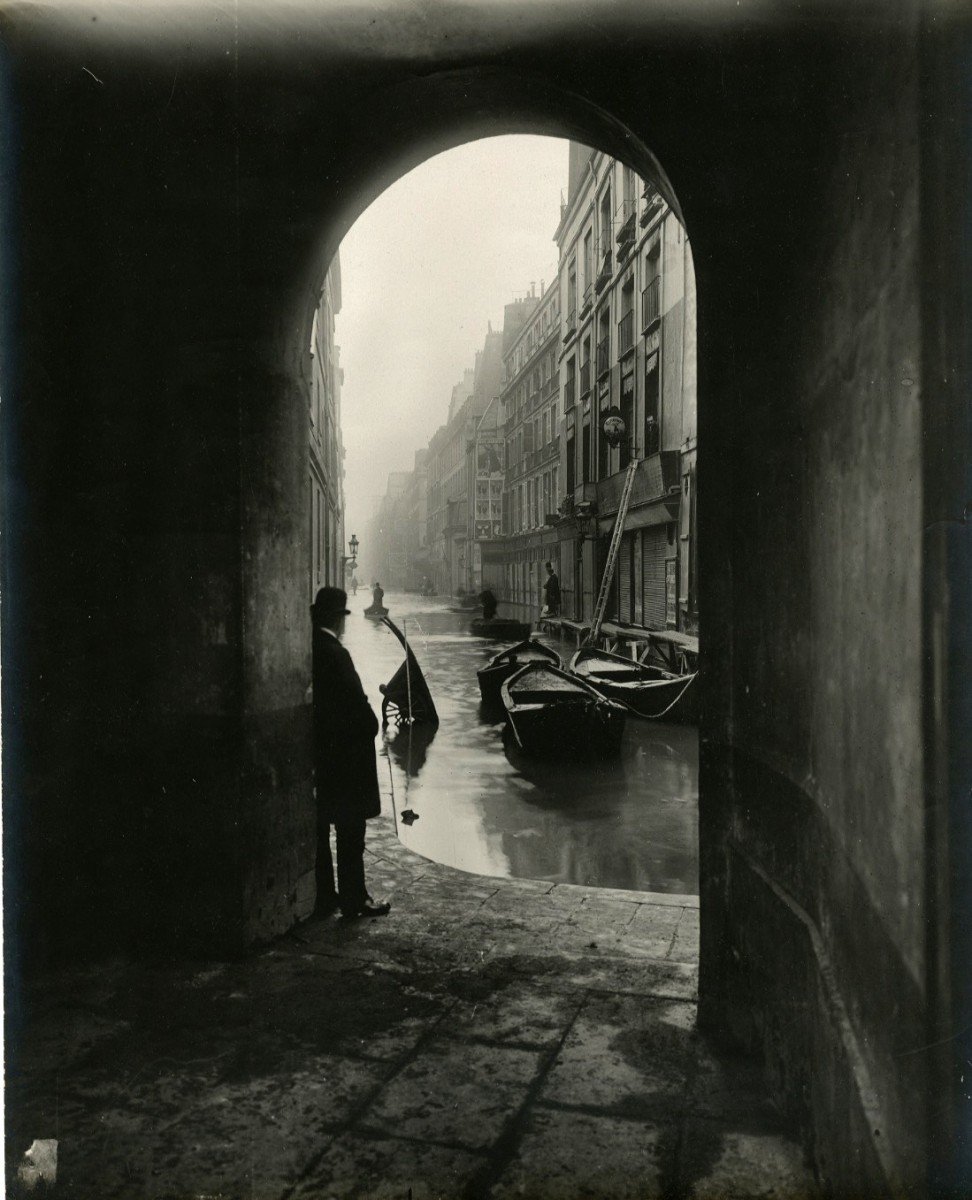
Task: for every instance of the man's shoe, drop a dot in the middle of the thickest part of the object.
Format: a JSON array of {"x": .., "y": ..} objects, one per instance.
[{"x": 371, "y": 910}]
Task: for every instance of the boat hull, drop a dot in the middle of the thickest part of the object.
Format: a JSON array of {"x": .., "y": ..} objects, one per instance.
[
  {"x": 375, "y": 614},
  {"x": 551, "y": 712},
  {"x": 648, "y": 692},
  {"x": 508, "y": 662}
]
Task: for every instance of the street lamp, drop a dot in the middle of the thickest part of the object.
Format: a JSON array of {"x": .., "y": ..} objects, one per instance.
[{"x": 349, "y": 561}]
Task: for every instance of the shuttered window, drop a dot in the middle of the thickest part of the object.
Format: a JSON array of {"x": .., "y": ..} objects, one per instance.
[{"x": 654, "y": 551}]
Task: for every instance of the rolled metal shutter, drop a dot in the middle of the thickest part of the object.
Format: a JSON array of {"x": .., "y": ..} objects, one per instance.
[
  {"x": 625, "y": 557},
  {"x": 654, "y": 551}
]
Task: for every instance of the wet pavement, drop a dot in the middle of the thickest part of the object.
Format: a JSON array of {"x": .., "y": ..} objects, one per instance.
[
  {"x": 489, "y": 1039},
  {"x": 473, "y": 800}
]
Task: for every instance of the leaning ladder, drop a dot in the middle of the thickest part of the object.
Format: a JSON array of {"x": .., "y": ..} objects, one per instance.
[{"x": 612, "y": 558}]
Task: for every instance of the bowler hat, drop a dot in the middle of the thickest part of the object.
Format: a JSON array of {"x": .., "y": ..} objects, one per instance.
[{"x": 330, "y": 602}]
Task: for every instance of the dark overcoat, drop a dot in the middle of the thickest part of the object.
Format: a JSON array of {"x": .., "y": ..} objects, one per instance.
[{"x": 345, "y": 767}]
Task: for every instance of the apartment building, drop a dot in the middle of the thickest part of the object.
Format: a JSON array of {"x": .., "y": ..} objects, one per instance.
[
  {"x": 531, "y": 410},
  {"x": 325, "y": 449},
  {"x": 448, "y": 488},
  {"x": 628, "y": 390}
]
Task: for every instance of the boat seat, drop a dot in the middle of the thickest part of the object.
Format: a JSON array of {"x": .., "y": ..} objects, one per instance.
[
  {"x": 617, "y": 675},
  {"x": 546, "y": 695}
]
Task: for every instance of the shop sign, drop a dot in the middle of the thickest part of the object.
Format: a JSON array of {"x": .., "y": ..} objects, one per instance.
[{"x": 671, "y": 592}]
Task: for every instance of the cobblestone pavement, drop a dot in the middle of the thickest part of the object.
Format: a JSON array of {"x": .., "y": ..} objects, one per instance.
[{"x": 489, "y": 1038}]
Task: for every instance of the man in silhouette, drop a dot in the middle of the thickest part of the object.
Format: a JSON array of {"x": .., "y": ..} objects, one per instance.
[
  {"x": 551, "y": 592},
  {"x": 488, "y": 601},
  {"x": 345, "y": 769}
]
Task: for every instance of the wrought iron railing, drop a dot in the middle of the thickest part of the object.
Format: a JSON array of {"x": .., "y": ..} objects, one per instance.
[{"x": 651, "y": 303}]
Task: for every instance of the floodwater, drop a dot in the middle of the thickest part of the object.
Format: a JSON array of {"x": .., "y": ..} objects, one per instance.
[{"x": 471, "y": 798}]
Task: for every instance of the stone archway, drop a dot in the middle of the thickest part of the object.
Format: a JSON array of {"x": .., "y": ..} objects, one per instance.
[{"x": 179, "y": 186}]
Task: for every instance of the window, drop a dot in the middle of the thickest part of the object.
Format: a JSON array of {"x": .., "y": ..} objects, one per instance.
[
  {"x": 586, "y": 453},
  {"x": 652, "y": 423}
]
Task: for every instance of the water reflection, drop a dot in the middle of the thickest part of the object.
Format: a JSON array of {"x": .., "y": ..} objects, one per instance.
[
  {"x": 630, "y": 822},
  {"x": 409, "y": 746}
]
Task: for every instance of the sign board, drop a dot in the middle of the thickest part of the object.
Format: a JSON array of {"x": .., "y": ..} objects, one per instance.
[
  {"x": 671, "y": 592},
  {"x": 489, "y": 457}
]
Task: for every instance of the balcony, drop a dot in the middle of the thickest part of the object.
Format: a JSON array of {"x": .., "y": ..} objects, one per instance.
[
  {"x": 603, "y": 357},
  {"x": 626, "y": 234},
  {"x": 626, "y": 332},
  {"x": 587, "y": 300},
  {"x": 604, "y": 271},
  {"x": 652, "y": 208},
  {"x": 585, "y": 377},
  {"x": 651, "y": 304},
  {"x": 551, "y": 387},
  {"x": 569, "y": 392},
  {"x": 570, "y": 325}
]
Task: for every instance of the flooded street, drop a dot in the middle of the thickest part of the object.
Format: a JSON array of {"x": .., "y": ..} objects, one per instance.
[{"x": 481, "y": 805}]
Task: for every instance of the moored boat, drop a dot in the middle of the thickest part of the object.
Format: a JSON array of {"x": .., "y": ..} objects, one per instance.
[
  {"x": 501, "y": 666},
  {"x": 645, "y": 690},
  {"x": 503, "y": 629},
  {"x": 376, "y": 612},
  {"x": 551, "y": 711}
]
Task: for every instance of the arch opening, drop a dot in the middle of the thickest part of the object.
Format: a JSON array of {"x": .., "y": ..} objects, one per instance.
[{"x": 609, "y": 326}]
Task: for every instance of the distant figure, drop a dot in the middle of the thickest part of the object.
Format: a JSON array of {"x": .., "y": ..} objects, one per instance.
[
  {"x": 345, "y": 769},
  {"x": 488, "y": 601},
  {"x": 378, "y": 596},
  {"x": 354, "y": 585},
  {"x": 551, "y": 592}
]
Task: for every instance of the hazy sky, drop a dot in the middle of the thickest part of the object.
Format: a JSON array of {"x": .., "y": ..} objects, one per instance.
[{"x": 423, "y": 271}]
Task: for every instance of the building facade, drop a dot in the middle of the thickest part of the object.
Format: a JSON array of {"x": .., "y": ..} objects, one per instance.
[
  {"x": 627, "y": 290},
  {"x": 325, "y": 448},
  {"x": 531, "y": 434}
]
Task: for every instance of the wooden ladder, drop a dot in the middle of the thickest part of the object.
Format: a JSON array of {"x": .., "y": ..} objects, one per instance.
[{"x": 612, "y": 558}]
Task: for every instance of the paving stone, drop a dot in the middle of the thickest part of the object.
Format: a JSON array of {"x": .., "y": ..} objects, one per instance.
[
  {"x": 626, "y": 1056},
  {"x": 685, "y": 947},
  {"x": 652, "y": 930},
  {"x": 455, "y": 1092},
  {"x": 734, "y": 1165},
  {"x": 385, "y": 1168},
  {"x": 573, "y": 1156},
  {"x": 274, "y": 1125},
  {"x": 521, "y": 1015},
  {"x": 639, "y": 977}
]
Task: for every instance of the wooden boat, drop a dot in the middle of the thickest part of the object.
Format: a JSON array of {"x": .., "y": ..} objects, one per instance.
[
  {"x": 406, "y": 696},
  {"x": 645, "y": 690},
  {"x": 504, "y": 629},
  {"x": 553, "y": 712},
  {"x": 376, "y": 612},
  {"x": 501, "y": 666}
]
